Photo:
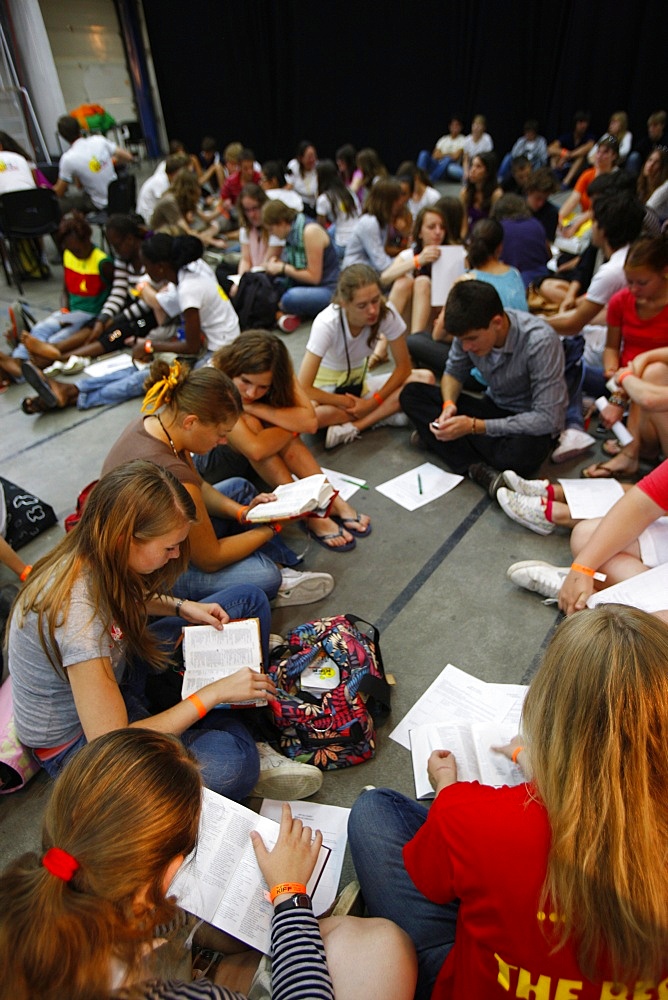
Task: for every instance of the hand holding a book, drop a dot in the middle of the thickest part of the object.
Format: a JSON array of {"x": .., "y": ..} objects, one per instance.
[
  {"x": 259, "y": 499},
  {"x": 294, "y": 855},
  {"x": 442, "y": 769},
  {"x": 243, "y": 685},
  {"x": 197, "y": 613}
]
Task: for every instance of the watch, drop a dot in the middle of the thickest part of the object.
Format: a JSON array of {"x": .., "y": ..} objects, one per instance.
[{"x": 300, "y": 901}]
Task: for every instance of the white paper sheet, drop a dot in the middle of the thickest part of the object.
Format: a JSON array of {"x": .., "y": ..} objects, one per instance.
[
  {"x": 405, "y": 489},
  {"x": 589, "y": 498},
  {"x": 111, "y": 363},
  {"x": 444, "y": 272},
  {"x": 346, "y": 486},
  {"x": 647, "y": 591},
  {"x": 332, "y": 821},
  {"x": 471, "y": 745},
  {"x": 221, "y": 881},
  {"x": 454, "y": 695}
]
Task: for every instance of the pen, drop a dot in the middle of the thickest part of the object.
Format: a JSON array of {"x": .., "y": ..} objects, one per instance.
[
  {"x": 420, "y": 483},
  {"x": 352, "y": 482}
]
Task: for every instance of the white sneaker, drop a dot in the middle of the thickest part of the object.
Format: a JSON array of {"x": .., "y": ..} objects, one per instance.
[
  {"x": 281, "y": 778},
  {"x": 340, "y": 434},
  {"x": 394, "y": 420},
  {"x": 74, "y": 364},
  {"x": 302, "y": 588},
  {"x": 528, "y": 511},
  {"x": 527, "y": 487},
  {"x": 541, "y": 577},
  {"x": 572, "y": 442}
]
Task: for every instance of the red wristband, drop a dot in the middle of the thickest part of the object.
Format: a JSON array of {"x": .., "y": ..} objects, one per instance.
[{"x": 379, "y": 399}]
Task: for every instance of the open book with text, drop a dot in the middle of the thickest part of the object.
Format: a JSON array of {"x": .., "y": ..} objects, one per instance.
[
  {"x": 312, "y": 496},
  {"x": 210, "y": 654},
  {"x": 220, "y": 882}
]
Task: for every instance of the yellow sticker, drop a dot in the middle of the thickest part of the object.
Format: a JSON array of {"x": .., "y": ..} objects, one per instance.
[{"x": 326, "y": 673}]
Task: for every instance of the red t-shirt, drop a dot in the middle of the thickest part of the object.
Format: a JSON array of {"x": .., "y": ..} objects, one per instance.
[
  {"x": 638, "y": 335},
  {"x": 655, "y": 485},
  {"x": 488, "y": 848}
]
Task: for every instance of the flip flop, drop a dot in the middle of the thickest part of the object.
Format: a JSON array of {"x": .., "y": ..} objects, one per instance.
[
  {"x": 323, "y": 539},
  {"x": 39, "y": 383},
  {"x": 619, "y": 474},
  {"x": 345, "y": 522}
]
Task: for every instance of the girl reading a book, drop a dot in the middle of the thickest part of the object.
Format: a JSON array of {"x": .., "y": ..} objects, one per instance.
[
  {"x": 81, "y": 649},
  {"x": 342, "y": 340},
  {"x": 276, "y": 411},
  {"x": 79, "y": 918},
  {"x": 190, "y": 412},
  {"x": 560, "y": 880}
]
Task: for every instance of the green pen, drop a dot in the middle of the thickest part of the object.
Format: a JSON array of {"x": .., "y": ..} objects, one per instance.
[
  {"x": 420, "y": 483},
  {"x": 352, "y": 482}
]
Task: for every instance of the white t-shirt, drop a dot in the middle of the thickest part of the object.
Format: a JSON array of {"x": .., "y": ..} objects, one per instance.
[
  {"x": 447, "y": 145},
  {"x": 288, "y": 197},
  {"x": 198, "y": 288},
  {"x": 15, "y": 173},
  {"x": 326, "y": 341},
  {"x": 150, "y": 194},
  {"x": 483, "y": 145},
  {"x": 609, "y": 278},
  {"x": 89, "y": 160},
  {"x": 430, "y": 197},
  {"x": 306, "y": 186},
  {"x": 344, "y": 223}
]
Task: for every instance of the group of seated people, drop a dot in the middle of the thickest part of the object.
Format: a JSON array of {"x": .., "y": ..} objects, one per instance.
[{"x": 492, "y": 390}]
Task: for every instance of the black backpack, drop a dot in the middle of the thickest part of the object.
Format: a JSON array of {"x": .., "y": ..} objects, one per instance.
[{"x": 256, "y": 301}]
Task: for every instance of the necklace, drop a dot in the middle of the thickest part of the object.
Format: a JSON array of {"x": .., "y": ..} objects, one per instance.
[{"x": 166, "y": 433}]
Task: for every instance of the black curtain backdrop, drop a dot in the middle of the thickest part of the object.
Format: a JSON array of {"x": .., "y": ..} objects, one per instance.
[{"x": 388, "y": 75}]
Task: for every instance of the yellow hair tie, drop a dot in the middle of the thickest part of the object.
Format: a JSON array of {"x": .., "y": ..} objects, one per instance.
[{"x": 155, "y": 397}]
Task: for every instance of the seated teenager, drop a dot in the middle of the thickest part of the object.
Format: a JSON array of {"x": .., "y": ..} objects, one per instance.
[
  {"x": 88, "y": 905},
  {"x": 267, "y": 435},
  {"x": 525, "y": 890},
  {"x": 334, "y": 369},
  {"x": 446, "y": 154},
  {"x": 520, "y": 358}
]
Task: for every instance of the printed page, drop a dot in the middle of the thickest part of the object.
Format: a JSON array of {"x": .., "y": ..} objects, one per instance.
[
  {"x": 516, "y": 693},
  {"x": 445, "y": 271},
  {"x": 346, "y": 486},
  {"x": 587, "y": 498},
  {"x": 221, "y": 881},
  {"x": 495, "y": 769},
  {"x": 419, "y": 486},
  {"x": 110, "y": 363},
  {"x": 470, "y": 743},
  {"x": 332, "y": 821},
  {"x": 453, "y": 696},
  {"x": 210, "y": 654},
  {"x": 292, "y": 499},
  {"x": 647, "y": 591}
]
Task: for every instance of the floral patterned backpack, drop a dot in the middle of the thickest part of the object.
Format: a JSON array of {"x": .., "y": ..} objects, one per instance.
[{"x": 331, "y": 727}]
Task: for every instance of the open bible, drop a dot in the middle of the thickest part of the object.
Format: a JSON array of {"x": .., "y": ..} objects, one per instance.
[
  {"x": 210, "y": 654},
  {"x": 312, "y": 496}
]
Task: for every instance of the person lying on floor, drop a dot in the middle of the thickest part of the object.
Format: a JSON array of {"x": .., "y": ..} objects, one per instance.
[
  {"x": 515, "y": 423},
  {"x": 629, "y": 540}
]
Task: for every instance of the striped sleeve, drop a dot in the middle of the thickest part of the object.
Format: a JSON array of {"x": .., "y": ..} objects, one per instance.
[
  {"x": 299, "y": 967},
  {"x": 179, "y": 990},
  {"x": 119, "y": 291}
]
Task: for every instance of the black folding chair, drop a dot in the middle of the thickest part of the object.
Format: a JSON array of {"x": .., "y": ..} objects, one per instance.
[
  {"x": 26, "y": 215},
  {"x": 121, "y": 200}
]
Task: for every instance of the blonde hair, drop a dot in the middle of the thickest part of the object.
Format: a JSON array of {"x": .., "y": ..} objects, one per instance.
[
  {"x": 206, "y": 392},
  {"x": 124, "y": 807},
  {"x": 596, "y": 721},
  {"x": 138, "y": 500}
]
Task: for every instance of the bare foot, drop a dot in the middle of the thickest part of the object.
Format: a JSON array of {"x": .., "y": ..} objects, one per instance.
[
  {"x": 320, "y": 526},
  {"x": 347, "y": 516},
  {"x": 39, "y": 348}
]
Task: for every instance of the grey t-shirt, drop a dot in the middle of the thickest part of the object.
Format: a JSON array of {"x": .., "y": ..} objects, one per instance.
[{"x": 44, "y": 708}]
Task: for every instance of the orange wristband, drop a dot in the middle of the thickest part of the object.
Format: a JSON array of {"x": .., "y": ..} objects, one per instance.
[
  {"x": 515, "y": 754},
  {"x": 416, "y": 262},
  {"x": 25, "y": 573},
  {"x": 241, "y": 513},
  {"x": 276, "y": 527},
  {"x": 379, "y": 399},
  {"x": 282, "y": 887},
  {"x": 588, "y": 571},
  {"x": 622, "y": 377},
  {"x": 198, "y": 703},
  {"x": 447, "y": 403}
]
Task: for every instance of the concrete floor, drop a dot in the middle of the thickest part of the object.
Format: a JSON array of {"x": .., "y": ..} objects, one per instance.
[{"x": 432, "y": 580}]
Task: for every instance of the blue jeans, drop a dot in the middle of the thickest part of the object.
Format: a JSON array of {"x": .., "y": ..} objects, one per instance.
[
  {"x": 573, "y": 351},
  {"x": 221, "y": 742},
  {"x": 259, "y": 568},
  {"x": 306, "y": 300},
  {"x": 438, "y": 169},
  {"x": 58, "y": 326},
  {"x": 116, "y": 387},
  {"x": 380, "y": 824}
]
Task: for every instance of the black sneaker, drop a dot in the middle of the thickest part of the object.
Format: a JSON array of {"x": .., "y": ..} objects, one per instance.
[{"x": 486, "y": 476}]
